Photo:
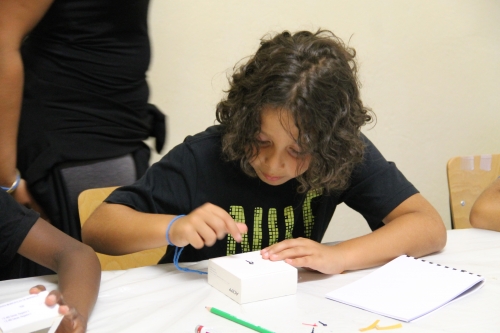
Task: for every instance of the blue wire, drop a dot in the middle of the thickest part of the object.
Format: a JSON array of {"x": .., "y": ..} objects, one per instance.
[
  {"x": 168, "y": 229},
  {"x": 177, "y": 254},
  {"x": 178, "y": 251}
]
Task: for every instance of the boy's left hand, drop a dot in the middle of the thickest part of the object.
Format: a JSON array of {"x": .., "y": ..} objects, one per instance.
[
  {"x": 303, "y": 252},
  {"x": 72, "y": 322}
]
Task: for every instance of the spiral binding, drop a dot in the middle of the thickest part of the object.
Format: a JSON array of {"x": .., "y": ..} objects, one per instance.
[{"x": 430, "y": 262}]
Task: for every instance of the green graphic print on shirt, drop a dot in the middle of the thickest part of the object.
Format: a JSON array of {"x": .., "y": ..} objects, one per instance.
[{"x": 238, "y": 214}]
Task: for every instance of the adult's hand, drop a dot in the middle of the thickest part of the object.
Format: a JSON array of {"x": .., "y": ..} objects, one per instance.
[{"x": 23, "y": 196}]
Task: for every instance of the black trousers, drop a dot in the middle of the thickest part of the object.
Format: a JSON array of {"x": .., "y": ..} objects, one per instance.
[{"x": 58, "y": 192}]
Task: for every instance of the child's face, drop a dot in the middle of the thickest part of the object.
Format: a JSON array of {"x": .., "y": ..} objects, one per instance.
[{"x": 280, "y": 158}]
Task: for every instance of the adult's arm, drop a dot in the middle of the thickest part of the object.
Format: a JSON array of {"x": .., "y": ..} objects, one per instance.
[
  {"x": 17, "y": 18},
  {"x": 76, "y": 264},
  {"x": 485, "y": 212}
]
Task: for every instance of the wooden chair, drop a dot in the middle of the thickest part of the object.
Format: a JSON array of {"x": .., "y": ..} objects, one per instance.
[
  {"x": 88, "y": 201},
  {"x": 468, "y": 176}
]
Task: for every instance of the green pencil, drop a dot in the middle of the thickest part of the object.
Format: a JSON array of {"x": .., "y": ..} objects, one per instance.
[{"x": 237, "y": 320}]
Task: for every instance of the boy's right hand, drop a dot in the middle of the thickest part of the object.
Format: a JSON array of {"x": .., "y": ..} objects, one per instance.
[{"x": 204, "y": 226}]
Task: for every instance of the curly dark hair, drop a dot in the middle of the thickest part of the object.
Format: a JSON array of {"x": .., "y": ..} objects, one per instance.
[{"x": 314, "y": 77}]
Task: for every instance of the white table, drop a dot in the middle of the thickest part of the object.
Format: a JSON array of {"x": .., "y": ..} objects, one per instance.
[{"x": 163, "y": 299}]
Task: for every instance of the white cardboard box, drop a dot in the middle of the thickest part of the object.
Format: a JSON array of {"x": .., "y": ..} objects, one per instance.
[
  {"x": 246, "y": 277},
  {"x": 29, "y": 314}
]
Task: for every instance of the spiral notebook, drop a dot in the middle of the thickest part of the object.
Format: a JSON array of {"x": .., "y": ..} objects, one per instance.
[{"x": 407, "y": 288}]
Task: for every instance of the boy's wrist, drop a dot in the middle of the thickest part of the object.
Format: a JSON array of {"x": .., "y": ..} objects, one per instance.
[
  {"x": 172, "y": 221},
  {"x": 339, "y": 259}
]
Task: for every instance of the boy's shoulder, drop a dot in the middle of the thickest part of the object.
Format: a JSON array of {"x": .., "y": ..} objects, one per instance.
[
  {"x": 210, "y": 135},
  {"x": 205, "y": 145}
]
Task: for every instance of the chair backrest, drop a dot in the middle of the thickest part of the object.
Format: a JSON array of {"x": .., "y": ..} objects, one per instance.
[
  {"x": 88, "y": 201},
  {"x": 468, "y": 176}
]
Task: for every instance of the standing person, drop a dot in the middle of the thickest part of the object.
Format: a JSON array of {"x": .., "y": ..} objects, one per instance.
[
  {"x": 74, "y": 102},
  {"x": 24, "y": 234},
  {"x": 287, "y": 151}
]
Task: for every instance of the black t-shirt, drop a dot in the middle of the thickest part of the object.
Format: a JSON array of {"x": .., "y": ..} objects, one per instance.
[
  {"x": 15, "y": 223},
  {"x": 85, "y": 92},
  {"x": 194, "y": 173}
]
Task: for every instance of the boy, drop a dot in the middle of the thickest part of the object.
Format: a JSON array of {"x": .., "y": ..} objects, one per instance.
[
  {"x": 287, "y": 151},
  {"x": 24, "y": 233}
]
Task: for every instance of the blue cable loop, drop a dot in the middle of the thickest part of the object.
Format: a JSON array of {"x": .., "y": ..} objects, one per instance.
[
  {"x": 178, "y": 251},
  {"x": 168, "y": 229},
  {"x": 177, "y": 254}
]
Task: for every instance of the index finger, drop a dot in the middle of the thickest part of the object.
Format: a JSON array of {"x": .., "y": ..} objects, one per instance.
[
  {"x": 281, "y": 246},
  {"x": 231, "y": 225}
]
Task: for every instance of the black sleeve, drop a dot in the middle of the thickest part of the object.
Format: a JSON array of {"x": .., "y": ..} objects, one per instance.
[
  {"x": 15, "y": 223},
  {"x": 167, "y": 187},
  {"x": 377, "y": 187}
]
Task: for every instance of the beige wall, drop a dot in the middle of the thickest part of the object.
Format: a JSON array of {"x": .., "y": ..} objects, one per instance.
[{"x": 430, "y": 70}]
